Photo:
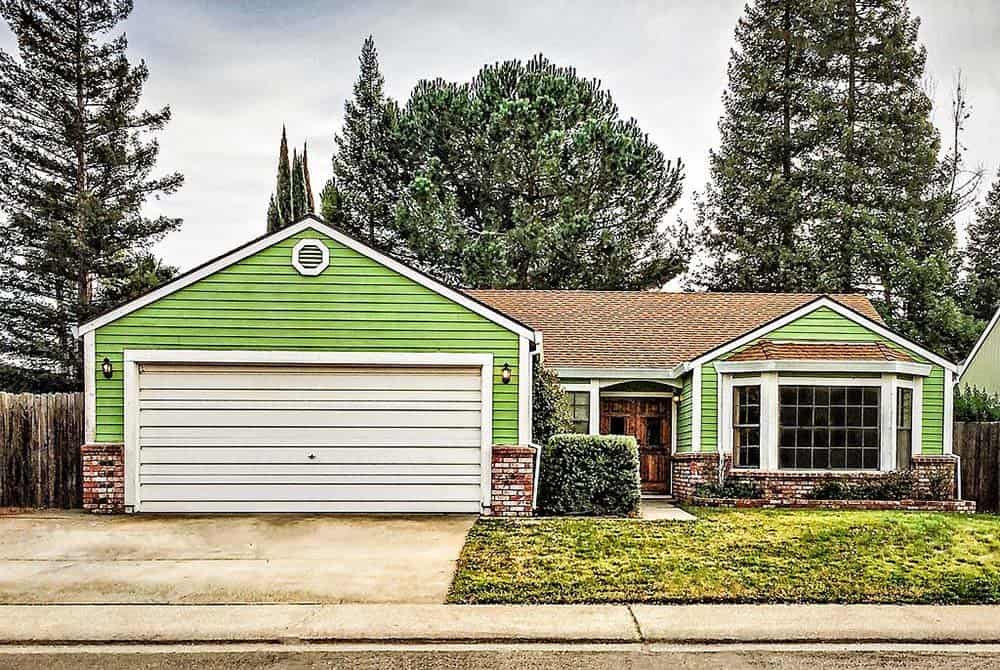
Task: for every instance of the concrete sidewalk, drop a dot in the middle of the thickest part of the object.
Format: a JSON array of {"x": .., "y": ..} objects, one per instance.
[{"x": 138, "y": 624}]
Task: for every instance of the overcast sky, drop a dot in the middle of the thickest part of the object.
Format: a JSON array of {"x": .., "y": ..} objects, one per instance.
[{"x": 234, "y": 71}]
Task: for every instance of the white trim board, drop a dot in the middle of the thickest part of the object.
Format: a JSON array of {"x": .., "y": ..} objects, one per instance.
[
  {"x": 809, "y": 308},
  {"x": 134, "y": 358},
  {"x": 322, "y": 228},
  {"x": 894, "y": 367},
  {"x": 618, "y": 375},
  {"x": 979, "y": 344}
]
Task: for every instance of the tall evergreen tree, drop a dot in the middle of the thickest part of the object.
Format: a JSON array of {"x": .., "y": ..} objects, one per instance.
[
  {"x": 870, "y": 201},
  {"x": 279, "y": 212},
  {"x": 365, "y": 164},
  {"x": 331, "y": 203},
  {"x": 300, "y": 202},
  {"x": 307, "y": 181},
  {"x": 76, "y": 158},
  {"x": 753, "y": 216},
  {"x": 527, "y": 177},
  {"x": 983, "y": 257}
]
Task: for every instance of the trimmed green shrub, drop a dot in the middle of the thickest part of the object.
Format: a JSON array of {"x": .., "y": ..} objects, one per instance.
[
  {"x": 550, "y": 412},
  {"x": 731, "y": 488},
  {"x": 973, "y": 404},
  {"x": 897, "y": 485},
  {"x": 589, "y": 475}
]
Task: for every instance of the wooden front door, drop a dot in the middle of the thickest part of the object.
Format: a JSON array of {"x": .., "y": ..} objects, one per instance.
[{"x": 648, "y": 420}]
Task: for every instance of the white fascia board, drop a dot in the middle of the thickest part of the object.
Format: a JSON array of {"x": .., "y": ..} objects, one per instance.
[
  {"x": 334, "y": 234},
  {"x": 894, "y": 367},
  {"x": 618, "y": 374},
  {"x": 979, "y": 344},
  {"x": 835, "y": 306},
  {"x": 306, "y": 357}
]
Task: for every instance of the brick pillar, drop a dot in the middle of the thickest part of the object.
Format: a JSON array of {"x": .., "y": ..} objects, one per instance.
[
  {"x": 690, "y": 469},
  {"x": 935, "y": 476},
  {"x": 513, "y": 480},
  {"x": 103, "y": 478}
]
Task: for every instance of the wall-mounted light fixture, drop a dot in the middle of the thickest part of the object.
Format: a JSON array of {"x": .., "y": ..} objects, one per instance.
[
  {"x": 505, "y": 373},
  {"x": 106, "y": 368},
  {"x": 677, "y": 398}
]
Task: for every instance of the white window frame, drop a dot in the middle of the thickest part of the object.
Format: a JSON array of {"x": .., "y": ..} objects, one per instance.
[
  {"x": 770, "y": 384},
  {"x": 134, "y": 358}
]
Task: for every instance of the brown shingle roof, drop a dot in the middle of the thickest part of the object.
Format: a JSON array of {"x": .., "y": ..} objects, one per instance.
[
  {"x": 654, "y": 329},
  {"x": 767, "y": 350}
]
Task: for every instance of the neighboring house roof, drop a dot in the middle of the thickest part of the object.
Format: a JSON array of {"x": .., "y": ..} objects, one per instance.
[
  {"x": 768, "y": 350},
  {"x": 309, "y": 222},
  {"x": 655, "y": 329}
]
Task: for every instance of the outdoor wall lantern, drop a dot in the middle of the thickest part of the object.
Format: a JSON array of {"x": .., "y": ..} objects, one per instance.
[
  {"x": 106, "y": 368},
  {"x": 505, "y": 373},
  {"x": 677, "y": 398}
]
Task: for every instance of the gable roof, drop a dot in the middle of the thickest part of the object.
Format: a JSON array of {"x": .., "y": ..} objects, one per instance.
[
  {"x": 769, "y": 350},
  {"x": 627, "y": 329},
  {"x": 319, "y": 226},
  {"x": 662, "y": 330},
  {"x": 980, "y": 342}
]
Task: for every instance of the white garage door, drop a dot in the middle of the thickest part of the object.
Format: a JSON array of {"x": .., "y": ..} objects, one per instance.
[{"x": 254, "y": 438}]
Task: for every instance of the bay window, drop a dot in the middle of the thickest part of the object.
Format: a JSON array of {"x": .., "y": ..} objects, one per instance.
[
  {"x": 829, "y": 427},
  {"x": 746, "y": 426}
]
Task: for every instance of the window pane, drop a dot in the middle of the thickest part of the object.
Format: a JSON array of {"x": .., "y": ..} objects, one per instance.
[
  {"x": 829, "y": 427},
  {"x": 746, "y": 426},
  {"x": 617, "y": 426}
]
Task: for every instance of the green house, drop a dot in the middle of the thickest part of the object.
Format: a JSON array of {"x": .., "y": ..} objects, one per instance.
[
  {"x": 305, "y": 371},
  {"x": 982, "y": 368}
]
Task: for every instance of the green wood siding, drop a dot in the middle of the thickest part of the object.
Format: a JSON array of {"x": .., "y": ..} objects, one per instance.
[
  {"x": 825, "y": 325},
  {"x": 262, "y": 303},
  {"x": 684, "y": 416},
  {"x": 709, "y": 408},
  {"x": 983, "y": 371}
]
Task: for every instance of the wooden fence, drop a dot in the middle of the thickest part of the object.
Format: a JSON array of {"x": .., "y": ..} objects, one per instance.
[
  {"x": 40, "y": 438},
  {"x": 978, "y": 445}
]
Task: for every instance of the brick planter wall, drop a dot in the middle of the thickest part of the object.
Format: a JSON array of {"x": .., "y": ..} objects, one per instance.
[
  {"x": 964, "y": 506},
  {"x": 103, "y": 478},
  {"x": 690, "y": 469},
  {"x": 513, "y": 480},
  {"x": 933, "y": 474}
]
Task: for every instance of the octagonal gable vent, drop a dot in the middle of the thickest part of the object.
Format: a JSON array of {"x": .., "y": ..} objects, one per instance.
[{"x": 310, "y": 257}]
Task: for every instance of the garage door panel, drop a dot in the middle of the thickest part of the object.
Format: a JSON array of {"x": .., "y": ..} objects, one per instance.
[
  {"x": 166, "y": 436},
  {"x": 309, "y": 438},
  {"x": 271, "y": 455},
  {"x": 308, "y": 381},
  {"x": 309, "y": 479},
  {"x": 315, "y": 507},
  {"x": 309, "y": 418},
  {"x": 306, "y": 491},
  {"x": 314, "y": 468}
]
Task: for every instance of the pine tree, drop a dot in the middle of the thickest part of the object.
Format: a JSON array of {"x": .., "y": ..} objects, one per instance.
[
  {"x": 279, "y": 212},
  {"x": 364, "y": 162},
  {"x": 870, "y": 204},
  {"x": 76, "y": 157},
  {"x": 528, "y": 177},
  {"x": 299, "y": 199},
  {"x": 983, "y": 257},
  {"x": 754, "y": 213}
]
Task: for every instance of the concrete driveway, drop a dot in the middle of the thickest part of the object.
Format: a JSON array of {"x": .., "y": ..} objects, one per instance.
[{"x": 72, "y": 557}]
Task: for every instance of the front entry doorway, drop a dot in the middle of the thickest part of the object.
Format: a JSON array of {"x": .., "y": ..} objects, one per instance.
[{"x": 648, "y": 420}]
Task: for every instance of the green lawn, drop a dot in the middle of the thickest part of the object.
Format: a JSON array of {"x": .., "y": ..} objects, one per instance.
[{"x": 735, "y": 556}]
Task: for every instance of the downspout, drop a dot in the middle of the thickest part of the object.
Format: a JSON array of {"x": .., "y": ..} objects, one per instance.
[{"x": 536, "y": 352}]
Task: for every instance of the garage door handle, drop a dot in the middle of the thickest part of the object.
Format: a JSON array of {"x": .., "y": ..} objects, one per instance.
[{"x": 312, "y": 457}]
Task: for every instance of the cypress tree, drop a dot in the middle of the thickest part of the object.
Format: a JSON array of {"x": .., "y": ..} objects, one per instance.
[
  {"x": 280, "y": 209},
  {"x": 299, "y": 200},
  {"x": 76, "y": 163},
  {"x": 310, "y": 200}
]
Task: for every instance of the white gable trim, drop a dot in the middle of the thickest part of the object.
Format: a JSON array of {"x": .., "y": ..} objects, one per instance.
[
  {"x": 334, "y": 234},
  {"x": 811, "y": 307},
  {"x": 788, "y": 365},
  {"x": 979, "y": 344}
]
